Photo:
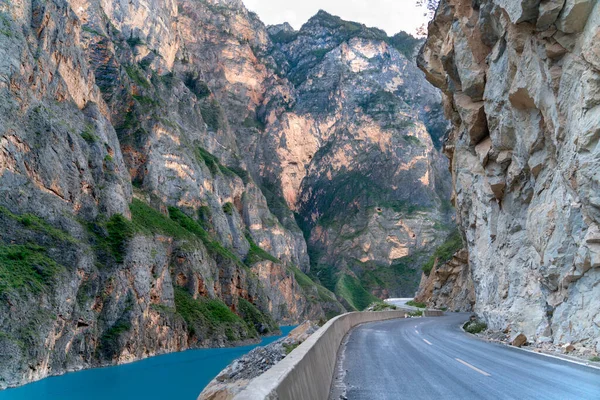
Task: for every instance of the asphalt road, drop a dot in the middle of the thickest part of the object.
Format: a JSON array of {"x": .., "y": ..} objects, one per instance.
[{"x": 432, "y": 358}]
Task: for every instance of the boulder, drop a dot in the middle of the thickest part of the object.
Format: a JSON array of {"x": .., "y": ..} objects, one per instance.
[{"x": 518, "y": 339}]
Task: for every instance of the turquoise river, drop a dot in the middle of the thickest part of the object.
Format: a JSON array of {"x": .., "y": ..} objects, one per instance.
[{"x": 177, "y": 376}]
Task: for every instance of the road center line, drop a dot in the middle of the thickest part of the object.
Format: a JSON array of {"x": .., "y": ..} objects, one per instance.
[
  {"x": 472, "y": 367},
  {"x": 427, "y": 341}
]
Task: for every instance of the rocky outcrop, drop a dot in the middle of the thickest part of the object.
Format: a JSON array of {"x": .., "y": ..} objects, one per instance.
[
  {"x": 520, "y": 82},
  {"x": 449, "y": 285}
]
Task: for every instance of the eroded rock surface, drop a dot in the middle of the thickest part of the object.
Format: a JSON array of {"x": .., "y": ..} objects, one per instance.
[
  {"x": 155, "y": 157},
  {"x": 526, "y": 176}
]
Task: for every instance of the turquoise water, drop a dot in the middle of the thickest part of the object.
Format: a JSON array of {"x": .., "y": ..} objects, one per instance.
[{"x": 177, "y": 376}]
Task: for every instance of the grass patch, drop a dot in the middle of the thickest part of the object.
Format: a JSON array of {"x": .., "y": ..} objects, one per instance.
[
  {"x": 250, "y": 122},
  {"x": 134, "y": 41},
  {"x": 109, "y": 341},
  {"x": 289, "y": 347},
  {"x": 88, "y": 134},
  {"x": 256, "y": 253},
  {"x": 26, "y": 267},
  {"x": 595, "y": 359},
  {"x": 209, "y": 313},
  {"x": 196, "y": 85},
  {"x": 137, "y": 76},
  {"x": 120, "y": 231},
  {"x": 312, "y": 290},
  {"x": 256, "y": 319},
  {"x": 150, "y": 221},
  {"x": 284, "y": 37},
  {"x": 350, "y": 289},
  {"x": 475, "y": 326},
  {"x": 228, "y": 208},
  {"x": 212, "y": 114},
  {"x": 213, "y": 246},
  {"x": 417, "y": 304},
  {"x": 445, "y": 251},
  {"x": 418, "y": 313},
  {"x": 35, "y": 223}
]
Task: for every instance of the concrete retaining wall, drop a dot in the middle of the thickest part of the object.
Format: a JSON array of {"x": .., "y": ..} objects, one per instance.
[{"x": 307, "y": 372}]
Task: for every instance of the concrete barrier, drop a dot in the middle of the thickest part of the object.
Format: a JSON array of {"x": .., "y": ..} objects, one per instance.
[
  {"x": 433, "y": 313},
  {"x": 307, "y": 372}
]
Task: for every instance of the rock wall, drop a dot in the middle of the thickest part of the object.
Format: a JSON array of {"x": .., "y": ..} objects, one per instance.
[
  {"x": 449, "y": 285},
  {"x": 521, "y": 82}
]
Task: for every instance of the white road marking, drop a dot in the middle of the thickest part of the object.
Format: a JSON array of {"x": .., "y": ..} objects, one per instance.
[
  {"x": 416, "y": 331},
  {"x": 427, "y": 341},
  {"x": 472, "y": 367}
]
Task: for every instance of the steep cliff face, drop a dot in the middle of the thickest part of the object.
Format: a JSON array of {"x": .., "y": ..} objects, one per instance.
[
  {"x": 123, "y": 235},
  {"x": 155, "y": 157},
  {"x": 356, "y": 156},
  {"x": 521, "y": 83}
]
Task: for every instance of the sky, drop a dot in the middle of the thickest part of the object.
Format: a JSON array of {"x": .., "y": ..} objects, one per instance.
[{"x": 390, "y": 15}]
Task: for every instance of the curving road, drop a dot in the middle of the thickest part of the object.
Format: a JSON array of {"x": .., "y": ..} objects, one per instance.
[{"x": 432, "y": 358}]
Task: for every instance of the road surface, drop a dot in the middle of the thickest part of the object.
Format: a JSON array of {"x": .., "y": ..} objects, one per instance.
[{"x": 432, "y": 358}]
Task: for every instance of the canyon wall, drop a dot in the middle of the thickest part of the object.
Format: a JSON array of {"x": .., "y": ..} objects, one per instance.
[
  {"x": 175, "y": 174},
  {"x": 521, "y": 84}
]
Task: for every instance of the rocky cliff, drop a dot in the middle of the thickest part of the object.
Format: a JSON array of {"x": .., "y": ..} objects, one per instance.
[
  {"x": 155, "y": 157},
  {"x": 357, "y": 156},
  {"x": 521, "y": 85}
]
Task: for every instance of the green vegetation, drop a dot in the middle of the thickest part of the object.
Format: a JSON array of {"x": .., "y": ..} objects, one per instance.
[
  {"x": 215, "y": 166},
  {"x": 147, "y": 220},
  {"x": 120, "y": 231},
  {"x": 241, "y": 172},
  {"x": 228, "y": 208},
  {"x": 418, "y": 313},
  {"x": 212, "y": 113},
  {"x": 35, "y": 223},
  {"x": 109, "y": 341},
  {"x": 137, "y": 76},
  {"x": 26, "y": 267},
  {"x": 595, "y": 359},
  {"x": 404, "y": 43},
  {"x": 284, "y": 37},
  {"x": 413, "y": 303},
  {"x": 146, "y": 101},
  {"x": 134, "y": 41},
  {"x": 256, "y": 253},
  {"x": 451, "y": 245},
  {"x": 213, "y": 246},
  {"x": 289, "y": 347},
  {"x": 211, "y": 313},
  {"x": 350, "y": 289},
  {"x": 399, "y": 275},
  {"x": 88, "y": 134},
  {"x": 196, "y": 85},
  {"x": 250, "y": 122},
  {"x": 312, "y": 290},
  {"x": 208, "y": 159},
  {"x": 475, "y": 326},
  {"x": 413, "y": 140},
  {"x": 256, "y": 319}
]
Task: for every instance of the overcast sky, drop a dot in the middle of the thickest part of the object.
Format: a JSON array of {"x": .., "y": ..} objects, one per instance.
[{"x": 390, "y": 15}]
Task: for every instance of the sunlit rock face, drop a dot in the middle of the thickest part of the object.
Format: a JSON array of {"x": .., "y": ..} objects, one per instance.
[
  {"x": 520, "y": 83},
  {"x": 357, "y": 153},
  {"x": 106, "y": 111},
  {"x": 166, "y": 167}
]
